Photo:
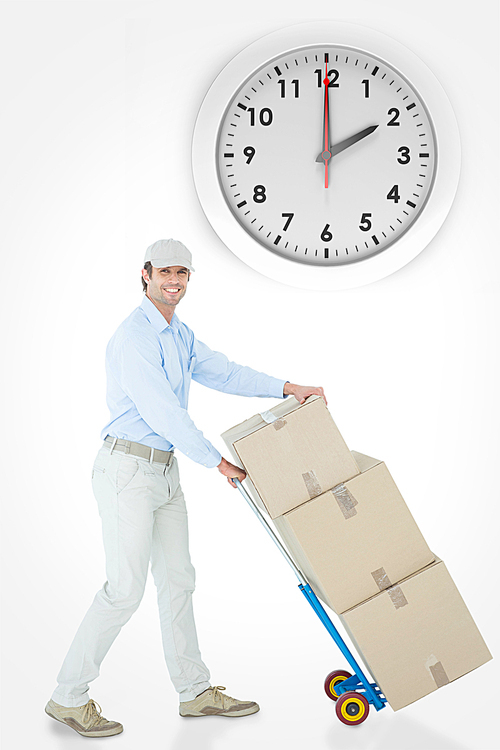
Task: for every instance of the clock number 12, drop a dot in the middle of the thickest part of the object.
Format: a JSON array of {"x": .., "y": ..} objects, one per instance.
[{"x": 333, "y": 83}]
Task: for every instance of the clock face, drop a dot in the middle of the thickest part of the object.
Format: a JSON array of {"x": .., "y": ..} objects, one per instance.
[{"x": 326, "y": 155}]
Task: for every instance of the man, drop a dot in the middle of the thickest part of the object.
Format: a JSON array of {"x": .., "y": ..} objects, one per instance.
[{"x": 150, "y": 361}]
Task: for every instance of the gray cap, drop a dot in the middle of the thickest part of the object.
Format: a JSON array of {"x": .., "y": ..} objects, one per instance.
[{"x": 163, "y": 253}]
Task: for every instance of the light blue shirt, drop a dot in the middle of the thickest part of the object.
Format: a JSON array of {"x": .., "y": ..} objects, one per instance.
[{"x": 149, "y": 366}]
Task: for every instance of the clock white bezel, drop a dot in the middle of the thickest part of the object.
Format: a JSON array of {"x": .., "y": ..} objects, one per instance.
[{"x": 295, "y": 273}]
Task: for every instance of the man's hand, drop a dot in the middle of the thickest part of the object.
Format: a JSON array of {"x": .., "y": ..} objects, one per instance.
[
  {"x": 231, "y": 472},
  {"x": 301, "y": 392}
]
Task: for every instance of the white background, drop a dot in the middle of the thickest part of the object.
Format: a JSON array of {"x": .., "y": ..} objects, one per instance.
[{"x": 99, "y": 105}]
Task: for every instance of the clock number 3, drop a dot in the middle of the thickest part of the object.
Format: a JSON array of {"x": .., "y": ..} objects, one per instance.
[{"x": 405, "y": 155}]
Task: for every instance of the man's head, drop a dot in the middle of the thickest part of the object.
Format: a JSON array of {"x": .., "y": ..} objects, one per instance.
[{"x": 166, "y": 272}]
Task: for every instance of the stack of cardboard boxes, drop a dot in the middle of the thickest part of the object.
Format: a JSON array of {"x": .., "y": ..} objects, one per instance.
[{"x": 347, "y": 527}]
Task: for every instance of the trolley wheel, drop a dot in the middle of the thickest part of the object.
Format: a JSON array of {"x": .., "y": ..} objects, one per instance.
[
  {"x": 352, "y": 708},
  {"x": 339, "y": 675}
]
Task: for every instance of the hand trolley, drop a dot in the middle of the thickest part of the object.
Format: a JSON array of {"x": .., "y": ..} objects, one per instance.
[{"x": 352, "y": 693}]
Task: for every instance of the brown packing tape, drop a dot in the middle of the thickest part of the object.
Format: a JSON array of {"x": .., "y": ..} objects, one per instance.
[
  {"x": 397, "y": 596},
  {"x": 312, "y": 485},
  {"x": 279, "y": 424},
  {"x": 439, "y": 674},
  {"x": 384, "y": 583},
  {"x": 345, "y": 500},
  {"x": 381, "y": 579}
]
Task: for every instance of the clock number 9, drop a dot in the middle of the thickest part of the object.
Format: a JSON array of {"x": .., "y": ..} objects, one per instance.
[
  {"x": 259, "y": 194},
  {"x": 249, "y": 152}
]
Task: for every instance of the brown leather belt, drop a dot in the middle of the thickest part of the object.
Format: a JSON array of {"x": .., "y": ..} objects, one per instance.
[{"x": 141, "y": 451}]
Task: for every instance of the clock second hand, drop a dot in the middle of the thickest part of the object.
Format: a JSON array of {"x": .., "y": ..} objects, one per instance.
[{"x": 326, "y": 155}]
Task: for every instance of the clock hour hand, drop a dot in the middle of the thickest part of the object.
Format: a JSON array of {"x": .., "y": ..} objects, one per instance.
[{"x": 334, "y": 150}]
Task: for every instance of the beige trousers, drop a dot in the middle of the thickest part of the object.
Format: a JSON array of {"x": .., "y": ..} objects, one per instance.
[{"x": 144, "y": 519}]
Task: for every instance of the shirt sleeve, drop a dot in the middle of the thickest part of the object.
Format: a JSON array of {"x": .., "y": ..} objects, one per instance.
[
  {"x": 141, "y": 375},
  {"x": 214, "y": 370}
]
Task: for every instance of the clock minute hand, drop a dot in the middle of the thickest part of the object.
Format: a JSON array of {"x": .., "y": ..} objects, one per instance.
[
  {"x": 334, "y": 150},
  {"x": 325, "y": 154}
]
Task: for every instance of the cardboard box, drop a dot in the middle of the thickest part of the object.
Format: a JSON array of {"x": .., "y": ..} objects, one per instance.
[
  {"x": 417, "y": 636},
  {"x": 355, "y": 539},
  {"x": 291, "y": 453}
]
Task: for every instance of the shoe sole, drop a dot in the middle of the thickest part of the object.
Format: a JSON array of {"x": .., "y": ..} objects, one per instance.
[
  {"x": 105, "y": 733},
  {"x": 233, "y": 714}
]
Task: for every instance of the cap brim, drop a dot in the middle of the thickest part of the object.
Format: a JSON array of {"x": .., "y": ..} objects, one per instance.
[{"x": 166, "y": 262}]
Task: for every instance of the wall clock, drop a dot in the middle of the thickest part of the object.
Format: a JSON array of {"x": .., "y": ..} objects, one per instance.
[{"x": 326, "y": 155}]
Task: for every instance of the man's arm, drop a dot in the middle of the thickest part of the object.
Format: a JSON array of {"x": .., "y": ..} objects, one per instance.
[{"x": 214, "y": 370}]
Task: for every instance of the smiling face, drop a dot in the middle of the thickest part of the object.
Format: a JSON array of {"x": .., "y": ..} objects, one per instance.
[{"x": 166, "y": 287}]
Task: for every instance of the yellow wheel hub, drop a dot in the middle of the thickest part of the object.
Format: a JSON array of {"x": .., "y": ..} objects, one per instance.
[{"x": 358, "y": 715}]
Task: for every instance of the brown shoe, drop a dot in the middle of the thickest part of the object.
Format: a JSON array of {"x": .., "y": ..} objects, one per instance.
[
  {"x": 86, "y": 720},
  {"x": 213, "y": 703}
]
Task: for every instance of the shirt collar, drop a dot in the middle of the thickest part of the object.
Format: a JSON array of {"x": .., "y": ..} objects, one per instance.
[{"x": 156, "y": 318}]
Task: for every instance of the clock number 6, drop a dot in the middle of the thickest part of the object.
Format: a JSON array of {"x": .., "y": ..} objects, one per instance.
[{"x": 325, "y": 235}]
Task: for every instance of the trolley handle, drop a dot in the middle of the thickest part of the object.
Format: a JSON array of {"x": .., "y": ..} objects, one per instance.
[{"x": 262, "y": 518}]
